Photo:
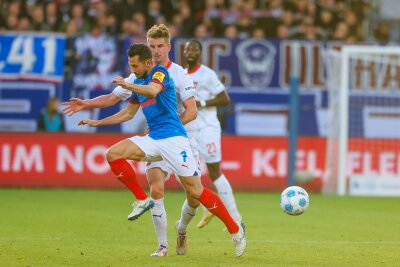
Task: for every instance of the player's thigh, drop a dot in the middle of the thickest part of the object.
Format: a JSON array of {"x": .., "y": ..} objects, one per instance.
[
  {"x": 125, "y": 149},
  {"x": 178, "y": 156},
  {"x": 195, "y": 150},
  {"x": 209, "y": 144},
  {"x": 157, "y": 171},
  {"x": 148, "y": 146}
]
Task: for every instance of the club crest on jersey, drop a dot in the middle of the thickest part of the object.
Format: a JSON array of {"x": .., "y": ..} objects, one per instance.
[{"x": 159, "y": 76}]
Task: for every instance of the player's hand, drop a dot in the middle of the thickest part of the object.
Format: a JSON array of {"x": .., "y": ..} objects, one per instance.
[
  {"x": 92, "y": 123},
  {"x": 73, "y": 106},
  {"x": 120, "y": 81},
  {"x": 146, "y": 132}
]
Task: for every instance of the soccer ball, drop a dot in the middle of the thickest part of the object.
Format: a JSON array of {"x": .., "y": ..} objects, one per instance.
[{"x": 294, "y": 200}]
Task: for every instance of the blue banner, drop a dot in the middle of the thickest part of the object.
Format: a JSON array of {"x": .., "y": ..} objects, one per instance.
[{"x": 32, "y": 56}]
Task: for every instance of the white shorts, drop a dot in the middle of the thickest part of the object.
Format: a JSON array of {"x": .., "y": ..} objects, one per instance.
[
  {"x": 209, "y": 144},
  {"x": 175, "y": 151},
  {"x": 163, "y": 166}
]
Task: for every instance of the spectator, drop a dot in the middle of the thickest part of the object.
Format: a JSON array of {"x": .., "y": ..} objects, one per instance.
[
  {"x": 231, "y": 32},
  {"x": 201, "y": 32},
  {"x": 50, "y": 119}
]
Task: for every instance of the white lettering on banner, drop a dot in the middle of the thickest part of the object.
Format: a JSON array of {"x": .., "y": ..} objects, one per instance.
[
  {"x": 363, "y": 163},
  {"x": 386, "y": 163},
  {"x": 90, "y": 159},
  {"x": 28, "y": 161},
  {"x": 305, "y": 160},
  {"x": 5, "y": 157},
  {"x": 74, "y": 160},
  {"x": 282, "y": 163},
  {"x": 261, "y": 163},
  {"x": 353, "y": 161},
  {"x": 312, "y": 164},
  {"x": 367, "y": 163}
]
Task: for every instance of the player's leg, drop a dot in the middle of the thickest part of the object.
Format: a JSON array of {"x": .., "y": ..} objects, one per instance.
[
  {"x": 209, "y": 141},
  {"x": 214, "y": 204},
  {"x": 138, "y": 148},
  {"x": 156, "y": 174},
  {"x": 117, "y": 156},
  {"x": 178, "y": 156},
  {"x": 224, "y": 189}
]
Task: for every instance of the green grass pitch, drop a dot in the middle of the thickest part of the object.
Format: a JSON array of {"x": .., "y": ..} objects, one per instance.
[{"x": 89, "y": 228}]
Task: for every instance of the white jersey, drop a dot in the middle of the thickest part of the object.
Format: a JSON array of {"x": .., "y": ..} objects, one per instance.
[
  {"x": 208, "y": 86},
  {"x": 183, "y": 86}
]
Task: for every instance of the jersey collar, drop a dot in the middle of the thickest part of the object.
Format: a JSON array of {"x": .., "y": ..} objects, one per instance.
[
  {"x": 168, "y": 64},
  {"x": 195, "y": 69}
]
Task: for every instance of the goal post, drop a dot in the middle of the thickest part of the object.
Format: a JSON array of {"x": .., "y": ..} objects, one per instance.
[{"x": 363, "y": 142}]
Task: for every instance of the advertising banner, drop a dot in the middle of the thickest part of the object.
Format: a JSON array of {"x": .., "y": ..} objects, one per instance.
[
  {"x": 250, "y": 163},
  {"x": 78, "y": 160}
]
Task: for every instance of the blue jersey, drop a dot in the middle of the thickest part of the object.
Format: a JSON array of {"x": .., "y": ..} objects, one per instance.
[{"x": 161, "y": 111}]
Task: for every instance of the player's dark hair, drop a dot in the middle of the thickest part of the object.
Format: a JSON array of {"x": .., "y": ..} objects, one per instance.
[
  {"x": 196, "y": 41},
  {"x": 141, "y": 50}
]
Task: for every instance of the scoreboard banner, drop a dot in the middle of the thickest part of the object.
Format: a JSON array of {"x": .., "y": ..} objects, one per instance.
[{"x": 32, "y": 56}]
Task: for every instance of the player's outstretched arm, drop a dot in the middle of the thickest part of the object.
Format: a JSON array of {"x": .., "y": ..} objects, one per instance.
[
  {"x": 151, "y": 90},
  {"x": 124, "y": 115},
  {"x": 75, "y": 105},
  {"x": 222, "y": 99},
  {"x": 190, "y": 112}
]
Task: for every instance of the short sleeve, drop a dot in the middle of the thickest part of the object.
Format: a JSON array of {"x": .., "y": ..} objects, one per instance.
[
  {"x": 184, "y": 85},
  {"x": 214, "y": 84},
  {"x": 160, "y": 76},
  {"x": 123, "y": 93}
]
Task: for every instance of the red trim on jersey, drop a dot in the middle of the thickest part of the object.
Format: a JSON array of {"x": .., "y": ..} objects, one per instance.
[
  {"x": 168, "y": 64},
  {"x": 133, "y": 102},
  {"x": 160, "y": 83},
  {"x": 195, "y": 69}
]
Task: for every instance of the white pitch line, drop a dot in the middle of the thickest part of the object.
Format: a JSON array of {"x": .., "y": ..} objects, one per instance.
[{"x": 257, "y": 241}]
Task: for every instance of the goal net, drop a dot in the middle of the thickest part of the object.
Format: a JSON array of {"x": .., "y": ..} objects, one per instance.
[{"x": 363, "y": 135}]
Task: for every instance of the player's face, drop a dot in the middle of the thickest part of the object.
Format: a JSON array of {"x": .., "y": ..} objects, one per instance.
[
  {"x": 192, "y": 53},
  {"x": 159, "y": 49},
  {"x": 140, "y": 68}
]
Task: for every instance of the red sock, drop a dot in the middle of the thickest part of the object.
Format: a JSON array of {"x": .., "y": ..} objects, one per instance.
[
  {"x": 214, "y": 204},
  {"x": 127, "y": 175}
]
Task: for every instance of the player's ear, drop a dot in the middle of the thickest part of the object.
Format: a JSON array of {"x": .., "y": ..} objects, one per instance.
[{"x": 148, "y": 62}]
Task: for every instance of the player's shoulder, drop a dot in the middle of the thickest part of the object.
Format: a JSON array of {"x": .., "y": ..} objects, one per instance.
[
  {"x": 160, "y": 68},
  {"x": 176, "y": 68},
  {"x": 206, "y": 69}
]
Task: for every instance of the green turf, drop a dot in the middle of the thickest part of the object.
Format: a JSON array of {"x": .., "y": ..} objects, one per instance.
[{"x": 89, "y": 228}]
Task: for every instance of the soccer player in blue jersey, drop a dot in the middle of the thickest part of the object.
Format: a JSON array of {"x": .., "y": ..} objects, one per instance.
[{"x": 154, "y": 91}]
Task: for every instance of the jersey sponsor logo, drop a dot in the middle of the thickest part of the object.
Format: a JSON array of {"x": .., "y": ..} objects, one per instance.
[
  {"x": 148, "y": 102},
  {"x": 159, "y": 76},
  {"x": 189, "y": 88}
]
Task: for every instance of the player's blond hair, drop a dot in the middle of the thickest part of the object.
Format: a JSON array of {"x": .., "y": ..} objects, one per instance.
[{"x": 159, "y": 31}]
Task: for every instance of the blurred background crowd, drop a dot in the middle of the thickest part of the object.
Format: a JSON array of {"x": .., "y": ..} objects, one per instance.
[{"x": 344, "y": 20}]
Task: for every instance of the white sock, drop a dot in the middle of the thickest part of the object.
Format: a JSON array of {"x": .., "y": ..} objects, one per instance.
[
  {"x": 159, "y": 216},
  {"x": 187, "y": 215},
  {"x": 226, "y": 194}
]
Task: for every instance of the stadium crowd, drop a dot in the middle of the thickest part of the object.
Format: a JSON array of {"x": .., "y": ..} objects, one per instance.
[{"x": 341, "y": 20}]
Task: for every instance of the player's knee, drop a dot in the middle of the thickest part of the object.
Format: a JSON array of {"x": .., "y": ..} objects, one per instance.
[
  {"x": 194, "y": 192},
  {"x": 156, "y": 191},
  {"x": 112, "y": 154}
]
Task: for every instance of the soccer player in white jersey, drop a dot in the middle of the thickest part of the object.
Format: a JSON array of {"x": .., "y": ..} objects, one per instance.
[
  {"x": 210, "y": 93},
  {"x": 154, "y": 91},
  {"x": 158, "y": 39}
]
